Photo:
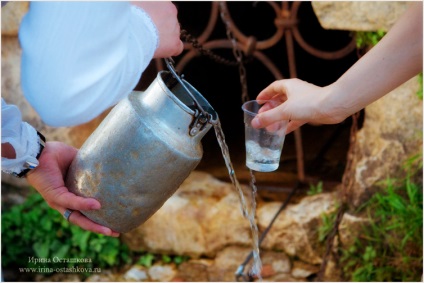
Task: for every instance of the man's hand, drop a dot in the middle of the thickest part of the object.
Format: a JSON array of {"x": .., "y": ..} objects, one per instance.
[
  {"x": 164, "y": 16},
  {"x": 48, "y": 180}
]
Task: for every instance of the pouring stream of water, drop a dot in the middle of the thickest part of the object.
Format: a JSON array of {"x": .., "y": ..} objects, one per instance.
[
  {"x": 226, "y": 154},
  {"x": 257, "y": 264}
]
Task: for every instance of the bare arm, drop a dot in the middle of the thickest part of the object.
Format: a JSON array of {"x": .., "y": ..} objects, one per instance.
[{"x": 394, "y": 60}]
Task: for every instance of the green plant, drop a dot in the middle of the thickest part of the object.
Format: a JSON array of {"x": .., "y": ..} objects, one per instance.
[
  {"x": 420, "y": 90},
  {"x": 414, "y": 164},
  {"x": 315, "y": 189},
  {"x": 180, "y": 259},
  {"x": 166, "y": 259},
  {"x": 32, "y": 231},
  {"x": 366, "y": 39},
  {"x": 327, "y": 225},
  {"x": 148, "y": 259},
  {"x": 34, "y": 236},
  {"x": 390, "y": 245}
]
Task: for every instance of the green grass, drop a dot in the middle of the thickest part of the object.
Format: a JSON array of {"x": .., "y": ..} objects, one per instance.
[
  {"x": 366, "y": 39},
  {"x": 326, "y": 226},
  {"x": 315, "y": 189},
  {"x": 33, "y": 229},
  {"x": 420, "y": 90},
  {"x": 390, "y": 246}
]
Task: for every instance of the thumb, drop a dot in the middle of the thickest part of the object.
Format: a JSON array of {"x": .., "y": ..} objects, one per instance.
[{"x": 293, "y": 125}]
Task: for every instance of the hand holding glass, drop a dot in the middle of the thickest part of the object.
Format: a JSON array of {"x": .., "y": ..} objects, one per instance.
[{"x": 263, "y": 146}]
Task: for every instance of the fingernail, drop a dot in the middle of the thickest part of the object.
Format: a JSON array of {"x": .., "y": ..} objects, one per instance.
[
  {"x": 105, "y": 231},
  {"x": 256, "y": 123},
  {"x": 95, "y": 205},
  {"x": 110, "y": 233}
]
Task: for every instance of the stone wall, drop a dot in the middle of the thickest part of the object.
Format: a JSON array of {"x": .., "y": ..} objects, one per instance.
[
  {"x": 392, "y": 133},
  {"x": 393, "y": 125},
  {"x": 358, "y": 15},
  {"x": 203, "y": 220}
]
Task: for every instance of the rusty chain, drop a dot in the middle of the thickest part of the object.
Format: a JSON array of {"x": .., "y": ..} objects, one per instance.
[
  {"x": 198, "y": 46},
  {"x": 241, "y": 60},
  {"x": 238, "y": 54}
]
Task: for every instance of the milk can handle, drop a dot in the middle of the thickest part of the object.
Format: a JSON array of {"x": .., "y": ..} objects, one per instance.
[{"x": 205, "y": 115}]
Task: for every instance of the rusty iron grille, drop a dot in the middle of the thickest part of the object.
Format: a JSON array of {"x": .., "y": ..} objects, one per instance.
[{"x": 246, "y": 48}]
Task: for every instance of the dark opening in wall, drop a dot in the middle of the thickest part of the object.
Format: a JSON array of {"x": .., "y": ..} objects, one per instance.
[{"x": 220, "y": 85}]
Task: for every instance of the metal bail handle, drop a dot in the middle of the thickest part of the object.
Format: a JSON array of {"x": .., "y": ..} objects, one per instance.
[{"x": 201, "y": 116}]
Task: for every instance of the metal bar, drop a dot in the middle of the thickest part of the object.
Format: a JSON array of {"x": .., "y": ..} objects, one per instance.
[{"x": 297, "y": 132}]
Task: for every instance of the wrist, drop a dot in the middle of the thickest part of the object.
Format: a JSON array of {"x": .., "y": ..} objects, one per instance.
[
  {"x": 151, "y": 34},
  {"x": 8, "y": 151},
  {"x": 32, "y": 165},
  {"x": 29, "y": 161},
  {"x": 334, "y": 107},
  {"x": 29, "y": 166}
]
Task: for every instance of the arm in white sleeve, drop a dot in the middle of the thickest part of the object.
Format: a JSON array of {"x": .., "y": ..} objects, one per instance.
[
  {"x": 79, "y": 58},
  {"x": 22, "y": 136}
]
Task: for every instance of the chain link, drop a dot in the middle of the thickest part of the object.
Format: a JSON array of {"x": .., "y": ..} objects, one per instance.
[
  {"x": 198, "y": 46},
  {"x": 238, "y": 54},
  {"x": 185, "y": 36}
]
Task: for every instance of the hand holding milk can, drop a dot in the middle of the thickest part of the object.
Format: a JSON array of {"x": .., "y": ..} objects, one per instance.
[{"x": 142, "y": 152}]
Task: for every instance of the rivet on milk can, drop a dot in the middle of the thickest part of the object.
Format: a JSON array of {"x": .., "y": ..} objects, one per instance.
[{"x": 142, "y": 151}]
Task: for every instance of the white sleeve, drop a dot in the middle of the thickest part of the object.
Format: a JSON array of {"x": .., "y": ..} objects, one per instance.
[
  {"x": 22, "y": 136},
  {"x": 79, "y": 58}
]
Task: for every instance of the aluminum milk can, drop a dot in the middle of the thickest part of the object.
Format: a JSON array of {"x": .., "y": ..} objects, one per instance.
[{"x": 142, "y": 152}]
